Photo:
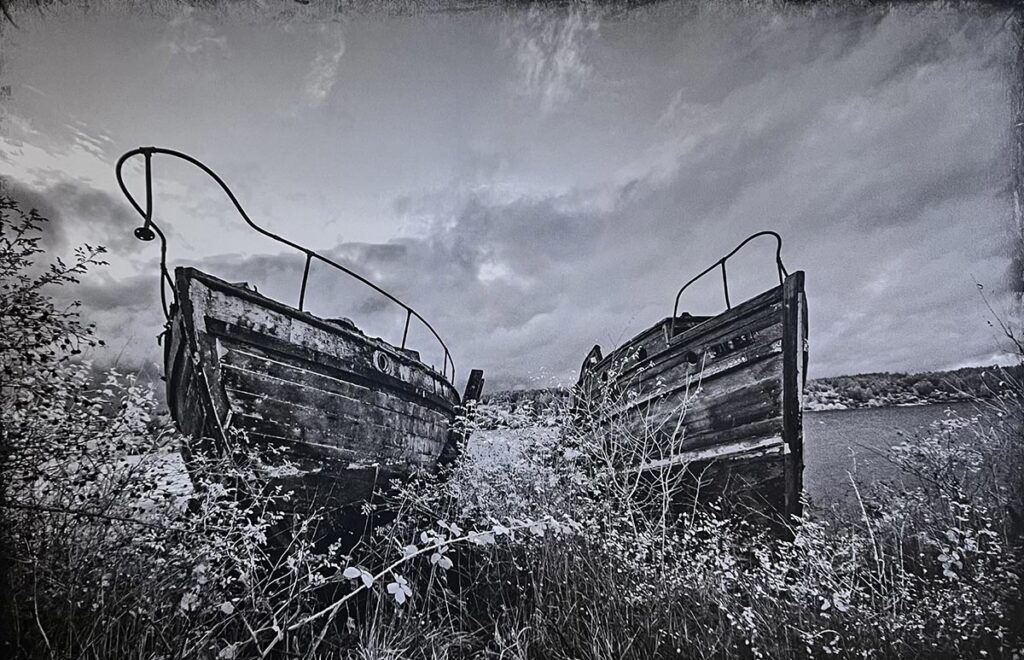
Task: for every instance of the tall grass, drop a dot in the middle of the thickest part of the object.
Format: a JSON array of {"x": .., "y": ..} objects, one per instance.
[{"x": 554, "y": 552}]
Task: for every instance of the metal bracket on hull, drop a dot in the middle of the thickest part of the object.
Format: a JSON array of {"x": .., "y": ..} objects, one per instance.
[
  {"x": 725, "y": 276},
  {"x": 150, "y": 230}
]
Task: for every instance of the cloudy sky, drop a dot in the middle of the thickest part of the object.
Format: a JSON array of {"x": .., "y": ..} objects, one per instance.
[{"x": 537, "y": 181}]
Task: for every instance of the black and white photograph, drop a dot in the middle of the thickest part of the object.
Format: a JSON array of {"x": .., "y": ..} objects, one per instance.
[{"x": 472, "y": 329}]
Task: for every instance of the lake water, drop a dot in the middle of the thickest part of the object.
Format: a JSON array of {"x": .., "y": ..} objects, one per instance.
[{"x": 841, "y": 443}]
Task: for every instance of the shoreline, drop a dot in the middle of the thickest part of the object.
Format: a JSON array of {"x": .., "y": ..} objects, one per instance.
[{"x": 840, "y": 406}]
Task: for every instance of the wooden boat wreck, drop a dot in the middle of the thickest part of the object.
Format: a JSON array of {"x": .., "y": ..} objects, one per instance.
[
  {"x": 714, "y": 400},
  {"x": 333, "y": 413}
]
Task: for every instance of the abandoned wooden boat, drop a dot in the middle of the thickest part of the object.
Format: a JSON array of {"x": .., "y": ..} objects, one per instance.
[
  {"x": 716, "y": 399},
  {"x": 333, "y": 412}
]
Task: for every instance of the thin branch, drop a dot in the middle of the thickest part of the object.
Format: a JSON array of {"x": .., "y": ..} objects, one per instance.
[{"x": 89, "y": 514}]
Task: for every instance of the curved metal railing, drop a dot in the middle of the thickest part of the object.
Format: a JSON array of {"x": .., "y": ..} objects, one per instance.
[
  {"x": 725, "y": 277},
  {"x": 150, "y": 230}
]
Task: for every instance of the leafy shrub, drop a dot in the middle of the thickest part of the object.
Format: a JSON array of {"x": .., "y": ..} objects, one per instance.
[
  {"x": 929, "y": 571},
  {"x": 101, "y": 557},
  {"x": 860, "y": 394},
  {"x": 923, "y": 387}
]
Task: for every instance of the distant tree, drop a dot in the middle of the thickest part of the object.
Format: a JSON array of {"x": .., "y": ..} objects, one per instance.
[
  {"x": 860, "y": 394},
  {"x": 924, "y": 387}
]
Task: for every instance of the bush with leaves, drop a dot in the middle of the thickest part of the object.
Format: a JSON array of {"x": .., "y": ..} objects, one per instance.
[{"x": 100, "y": 555}]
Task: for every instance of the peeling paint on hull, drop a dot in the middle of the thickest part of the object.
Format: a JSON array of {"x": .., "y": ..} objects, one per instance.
[{"x": 343, "y": 412}]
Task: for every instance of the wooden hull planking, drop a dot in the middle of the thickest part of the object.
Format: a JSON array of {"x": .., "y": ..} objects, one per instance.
[
  {"x": 722, "y": 399},
  {"x": 348, "y": 411}
]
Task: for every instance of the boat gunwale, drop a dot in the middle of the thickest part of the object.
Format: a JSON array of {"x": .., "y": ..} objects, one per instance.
[
  {"x": 254, "y": 297},
  {"x": 674, "y": 344}
]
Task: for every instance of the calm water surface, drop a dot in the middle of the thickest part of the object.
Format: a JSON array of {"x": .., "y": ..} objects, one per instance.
[{"x": 841, "y": 443}]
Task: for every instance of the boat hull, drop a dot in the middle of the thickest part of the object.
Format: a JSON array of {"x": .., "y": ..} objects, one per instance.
[
  {"x": 717, "y": 397},
  {"x": 333, "y": 412}
]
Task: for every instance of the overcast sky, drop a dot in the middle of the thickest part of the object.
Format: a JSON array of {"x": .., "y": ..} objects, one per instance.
[{"x": 535, "y": 182}]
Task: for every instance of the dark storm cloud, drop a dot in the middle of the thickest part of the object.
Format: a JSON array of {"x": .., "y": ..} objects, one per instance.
[
  {"x": 871, "y": 154},
  {"x": 54, "y": 237},
  {"x": 109, "y": 219},
  {"x": 127, "y": 296},
  {"x": 557, "y": 173},
  {"x": 71, "y": 207}
]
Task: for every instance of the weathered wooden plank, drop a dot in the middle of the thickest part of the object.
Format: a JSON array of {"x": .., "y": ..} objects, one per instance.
[
  {"x": 742, "y": 424},
  {"x": 733, "y": 317},
  {"x": 746, "y": 316},
  {"x": 474, "y": 386},
  {"x": 724, "y": 322},
  {"x": 654, "y": 339},
  {"x": 793, "y": 345},
  {"x": 235, "y": 311},
  {"x": 750, "y": 329},
  {"x": 752, "y": 363},
  {"x": 733, "y": 391},
  {"x": 746, "y": 448},
  {"x": 750, "y": 484},
  {"x": 700, "y": 435},
  {"x": 356, "y": 371},
  {"x": 191, "y": 399},
  {"x": 742, "y": 404},
  {"x": 345, "y": 408},
  {"x": 285, "y": 370},
  {"x": 389, "y": 446},
  {"x": 711, "y": 350},
  {"x": 349, "y": 426},
  {"x": 722, "y": 395},
  {"x": 266, "y": 435},
  {"x": 173, "y": 350},
  {"x": 349, "y": 417}
]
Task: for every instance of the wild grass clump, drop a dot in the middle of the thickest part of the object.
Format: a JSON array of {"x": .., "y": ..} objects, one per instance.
[
  {"x": 538, "y": 542},
  {"x": 932, "y": 570}
]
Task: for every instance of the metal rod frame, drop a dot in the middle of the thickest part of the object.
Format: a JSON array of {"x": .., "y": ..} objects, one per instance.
[
  {"x": 145, "y": 233},
  {"x": 783, "y": 273}
]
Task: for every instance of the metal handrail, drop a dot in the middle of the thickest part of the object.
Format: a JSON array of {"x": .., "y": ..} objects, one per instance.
[
  {"x": 725, "y": 278},
  {"x": 146, "y": 233}
]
